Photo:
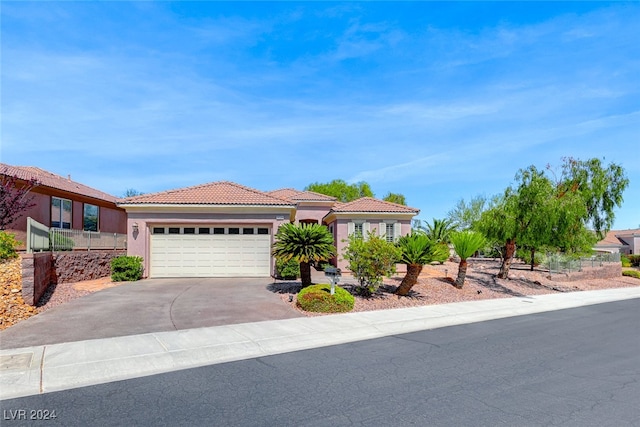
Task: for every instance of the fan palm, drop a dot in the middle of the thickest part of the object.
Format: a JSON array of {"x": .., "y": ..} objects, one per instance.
[
  {"x": 465, "y": 243},
  {"x": 304, "y": 243},
  {"x": 417, "y": 250}
]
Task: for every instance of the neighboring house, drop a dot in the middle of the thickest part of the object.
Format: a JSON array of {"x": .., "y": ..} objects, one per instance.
[
  {"x": 226, "y": 229},
  {"x": 620, "y": 241},
  {"x": 62, "y": 203}
]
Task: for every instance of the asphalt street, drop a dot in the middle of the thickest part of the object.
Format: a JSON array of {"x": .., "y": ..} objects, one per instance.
[{"x": 575, "y": 367}]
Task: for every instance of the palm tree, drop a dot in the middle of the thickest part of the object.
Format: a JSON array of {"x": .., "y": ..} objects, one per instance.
[
  {"x": 417, "y": 250},
  {"x": 439, "y": 230},
  {"x": 304, "y": 243},
  {"x": 465, "y": 243}
]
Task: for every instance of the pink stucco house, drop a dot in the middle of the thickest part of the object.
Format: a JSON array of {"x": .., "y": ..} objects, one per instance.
[
  {"x": 60, "y": 202},
  {"x": 226, "y": 229}
]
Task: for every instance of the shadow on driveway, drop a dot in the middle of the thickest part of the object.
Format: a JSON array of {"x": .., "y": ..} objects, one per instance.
[{"x": 151, "y": 305}]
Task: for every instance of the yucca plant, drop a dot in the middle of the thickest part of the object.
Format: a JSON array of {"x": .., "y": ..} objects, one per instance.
[
  {"x": 465, "y": 243},
  {"x": 304, "y": 243},
  {"x": 417, "y": 250}
]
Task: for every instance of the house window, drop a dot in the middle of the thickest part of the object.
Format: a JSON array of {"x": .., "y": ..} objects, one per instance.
[
  {"x": 389, "y": 232},
  {"x": 189, "y": 230},
  {"x": 218, "y": 230},
  {"x": 90, "y": 217},
  {"x": 202, "y": 230},
  {"x": 357, "y": 229},
  {"x": 247, "y": 231},
  {"x": 234, "y": 230},
  {"x": 174, "y": 230},
  {"x": 60, "y": 213},
  {"x": 158, "y": 230},
  {"x": 263, "y": 231}
]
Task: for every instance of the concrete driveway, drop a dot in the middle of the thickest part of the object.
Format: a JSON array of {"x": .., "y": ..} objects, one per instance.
[{"x": 151, "y": 305}]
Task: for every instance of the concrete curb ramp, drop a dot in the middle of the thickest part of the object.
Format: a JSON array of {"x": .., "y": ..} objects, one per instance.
[{"x": 34, "y": 370}]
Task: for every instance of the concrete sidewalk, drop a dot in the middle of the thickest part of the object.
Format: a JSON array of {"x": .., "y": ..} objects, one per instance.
[{"x": 47, "y": 368}]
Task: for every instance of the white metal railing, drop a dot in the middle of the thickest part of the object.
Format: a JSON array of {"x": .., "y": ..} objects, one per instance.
[{"x": 43, "y": 238}]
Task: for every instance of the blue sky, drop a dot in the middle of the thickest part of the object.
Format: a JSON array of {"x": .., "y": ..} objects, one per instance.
[{"x": 437, "y": 101}]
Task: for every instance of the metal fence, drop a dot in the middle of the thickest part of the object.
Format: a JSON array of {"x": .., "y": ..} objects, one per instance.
[
  {"x": 42, "y": 238},
  {"x": 560, "y": 263}
]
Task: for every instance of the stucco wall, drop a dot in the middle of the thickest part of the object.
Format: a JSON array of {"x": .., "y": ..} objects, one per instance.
[
  {"x": 311, "y": 213},
  {"x": 341, "y": 232}
]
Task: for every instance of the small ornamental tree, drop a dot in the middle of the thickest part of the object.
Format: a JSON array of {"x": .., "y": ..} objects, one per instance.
[
  {"x": 14, "y": 199},
  {"x": 304, "y": 243},
  {"x": 465, "y": 243},
  {"x": 370, "y": 260}
]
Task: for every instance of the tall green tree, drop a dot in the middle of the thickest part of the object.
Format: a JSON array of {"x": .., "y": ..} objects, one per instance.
[
  {"x": 395, "y": 198},
  {"x": 465, "y": 214},
  {"x": 304, "y": 243},
  {"x": 417, "y": 249},
  {"x": 541, "y": 213},
  {"x": 465, "y": 243},
  {"x": 342, "y": 191},
  {"x": 600, "y": 187}
]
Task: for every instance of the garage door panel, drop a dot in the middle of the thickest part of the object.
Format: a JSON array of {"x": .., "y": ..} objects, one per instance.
[{"x": 179, "y": 255}]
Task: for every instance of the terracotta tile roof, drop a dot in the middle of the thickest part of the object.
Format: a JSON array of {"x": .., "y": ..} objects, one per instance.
[
  {"x": 369, "y": 204},
  {"x": 214, "y": 193},
  {"x": 293, "y": 195},
  {"x": 51, "y": 180},
  {"x": 612, "y": 237}
]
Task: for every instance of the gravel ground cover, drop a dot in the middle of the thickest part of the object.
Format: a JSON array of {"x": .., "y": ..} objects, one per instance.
[{"x": 435, "y": 286}]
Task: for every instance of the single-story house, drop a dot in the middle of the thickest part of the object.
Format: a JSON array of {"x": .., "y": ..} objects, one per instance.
[
  {"x": 60, "y": 202},
  {"x": 620, "y": 241},
  {"x": 226, "y": 229}
]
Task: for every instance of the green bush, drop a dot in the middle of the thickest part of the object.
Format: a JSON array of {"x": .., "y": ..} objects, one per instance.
[
  {"x": 631, "y": 273},
  {"x": 126, "y": 268},
  {"x": 60, "y": 242},
  {"x": 8, "y": 244},
  {"x": 635, "y": 260},
  {"x": 626, "y": 262},
  {"x": 441, "y": 253},
  {"x": 318, "y": 299},
  {"x": 287, "y": 269}
]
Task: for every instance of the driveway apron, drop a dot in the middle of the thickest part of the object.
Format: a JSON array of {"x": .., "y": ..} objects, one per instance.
[{"x": 151, "y": 305}]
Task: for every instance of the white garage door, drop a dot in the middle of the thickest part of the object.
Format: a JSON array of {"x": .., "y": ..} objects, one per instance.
[{"x": 225, "y": 251}]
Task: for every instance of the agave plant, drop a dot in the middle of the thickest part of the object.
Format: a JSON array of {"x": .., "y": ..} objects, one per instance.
[
  {"x": 465, "y": 243},
  {"x": 304, "y": 243},
  {"x": 417, "y": 250}
]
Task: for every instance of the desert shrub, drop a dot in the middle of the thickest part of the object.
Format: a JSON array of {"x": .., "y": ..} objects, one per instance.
[
  {"x": 60, "y": 242},
  {"x": 631, "y": 273},
  {"x": 635, "y": 260},
  {"x": 370, "y": 260},
  {"x": 318, "y": 298},
  {"x": 287, "y": 269},
  {"x": 126, "y": 268},
  {"x": 626, "y": 262},
  {"x": 8, "y": 244}
]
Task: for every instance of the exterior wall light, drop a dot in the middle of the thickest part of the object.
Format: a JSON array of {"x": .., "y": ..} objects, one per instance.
[{"x": 134, "y": 226}]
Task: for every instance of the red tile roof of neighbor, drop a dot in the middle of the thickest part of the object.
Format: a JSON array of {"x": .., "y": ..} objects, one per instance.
[
  {"x": 369, "y": 204},
  {"x": 51, "y": 180},
  {"x": 214, "y": 193},
  {"x": 293, "y": 195}
]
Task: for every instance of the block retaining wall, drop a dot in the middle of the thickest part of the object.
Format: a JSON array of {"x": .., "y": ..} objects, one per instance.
[{"x": 39, "y": 270}]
